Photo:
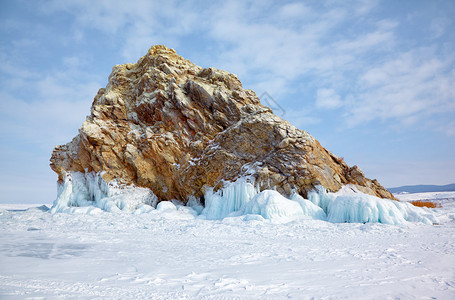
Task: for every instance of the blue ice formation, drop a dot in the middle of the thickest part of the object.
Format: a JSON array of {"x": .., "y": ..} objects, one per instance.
[
  {"x": 272, "y": 205},
  {"x": 309, "y": 208},
  {"x": 352, "y": 206},
  {"x": 239, "y": 198},
  {"x": 91, "y": 190},
  {"x": 347, "y": 205},
  {"x": 242, "y": 198},
  {"x": 229, "y": 200}
]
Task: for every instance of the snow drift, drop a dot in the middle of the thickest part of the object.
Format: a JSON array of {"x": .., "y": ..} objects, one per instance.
[{"x": 239, "y": 198}]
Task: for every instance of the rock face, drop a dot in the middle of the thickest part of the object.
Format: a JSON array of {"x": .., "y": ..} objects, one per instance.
[{"x": 176, "y": 128}]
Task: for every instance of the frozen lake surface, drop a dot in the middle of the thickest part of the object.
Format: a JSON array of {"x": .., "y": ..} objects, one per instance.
[
  {"x": 171, "y": 255},
  {"x": 443, "y": 198}
]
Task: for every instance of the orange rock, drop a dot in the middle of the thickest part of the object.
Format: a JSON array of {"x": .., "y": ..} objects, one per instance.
[{"x": 169, "y": 125}]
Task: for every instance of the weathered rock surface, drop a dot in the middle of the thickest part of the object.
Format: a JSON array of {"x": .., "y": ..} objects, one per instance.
[{"x": 176, "y": 128}]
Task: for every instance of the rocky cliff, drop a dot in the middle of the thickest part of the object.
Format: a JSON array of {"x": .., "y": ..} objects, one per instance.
[{"x": 169, "y": 125}]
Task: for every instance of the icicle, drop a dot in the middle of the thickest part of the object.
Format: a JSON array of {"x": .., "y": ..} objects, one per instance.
[
  {"x": 229, "y": 199},
  {"x": 90, "y": 189}
]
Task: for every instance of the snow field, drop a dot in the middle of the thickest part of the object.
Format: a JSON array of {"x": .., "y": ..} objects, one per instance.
[
  {"x": 167, "y": 253},
  {"x": 111, "y": 242},
  {"x": 442, "y": 198}
]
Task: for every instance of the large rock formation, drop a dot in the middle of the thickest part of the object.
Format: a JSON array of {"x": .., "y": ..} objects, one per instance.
[{"x": 176, "y": 128}]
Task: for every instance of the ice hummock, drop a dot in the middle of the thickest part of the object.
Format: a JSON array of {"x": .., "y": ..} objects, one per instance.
[
  {"x": 239, "y": 198},
  {"x": 242, "y": 198},
  {"x": 309, "y": 208},
  {"x": 272, "y": 205},
  {"x": 91, "y": 190},
  {"x": 229, "y": 200},
  {"x": 352, "y": 206},
  {"x": 347, "y": 205}
]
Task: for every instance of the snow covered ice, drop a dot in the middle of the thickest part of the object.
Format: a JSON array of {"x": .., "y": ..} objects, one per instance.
[
  {"x": 243, "y": 244},
  {"x": 167, "y": 253}
]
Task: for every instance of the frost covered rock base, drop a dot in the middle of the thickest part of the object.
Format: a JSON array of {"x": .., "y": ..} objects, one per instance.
[{"x": 89, "y": 193}]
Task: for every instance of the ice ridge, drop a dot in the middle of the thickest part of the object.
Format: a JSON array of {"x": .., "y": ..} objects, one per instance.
[{"x": 239, "y": 198}]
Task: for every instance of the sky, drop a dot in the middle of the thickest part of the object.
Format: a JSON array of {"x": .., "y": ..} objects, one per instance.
[{"x": 371, "y": 80}]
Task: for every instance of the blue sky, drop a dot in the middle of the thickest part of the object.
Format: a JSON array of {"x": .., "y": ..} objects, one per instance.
[{"x": 371, "y": 80}]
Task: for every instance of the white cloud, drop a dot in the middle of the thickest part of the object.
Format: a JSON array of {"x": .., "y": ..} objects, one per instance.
[
  {"x": 327, "y": 98},
  {"x": 45, "y": 107},
  {"x": 302, "y": 118},
  {"x": 410, "y": 87},
  {"x": 45, "y": 123},
  {"x": 449, "y": 128},
  {"x": 365, "y": 6},
  {"x": 382, "y": 37},
  {"x": 439, "y": 26},
  {"x": 294, "y": 10},
  {"x": 136, "y": 24},
  {"x": 108, "y": 16}
]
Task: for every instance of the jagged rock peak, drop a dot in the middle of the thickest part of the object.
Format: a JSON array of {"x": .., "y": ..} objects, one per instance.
[{"x": 169, "y": 125}]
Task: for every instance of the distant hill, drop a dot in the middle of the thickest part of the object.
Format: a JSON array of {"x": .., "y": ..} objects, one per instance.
[{"x": 423, "y": 188}]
